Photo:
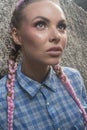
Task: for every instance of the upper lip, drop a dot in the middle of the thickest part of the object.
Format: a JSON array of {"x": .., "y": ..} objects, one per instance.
[{"x": 55, "y": 49}]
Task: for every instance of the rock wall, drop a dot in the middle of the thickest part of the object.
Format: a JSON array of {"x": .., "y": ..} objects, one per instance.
[
  {"x": 81, "y": 3},
  {"x": 76, "y": 51}
]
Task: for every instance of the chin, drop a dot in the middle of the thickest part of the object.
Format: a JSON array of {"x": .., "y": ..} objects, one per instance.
[{"x": 54, "y": 61}]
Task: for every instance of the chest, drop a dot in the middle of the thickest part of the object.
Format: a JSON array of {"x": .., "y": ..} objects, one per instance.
[{"x": 48, "y": 110}]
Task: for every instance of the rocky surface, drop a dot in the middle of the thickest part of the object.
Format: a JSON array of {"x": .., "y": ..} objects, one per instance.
[
  {"x": 76, "y": 50},
  {"x": 81, "y": 3}
]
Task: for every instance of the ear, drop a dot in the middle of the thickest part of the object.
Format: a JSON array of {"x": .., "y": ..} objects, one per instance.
[{"x": 16, "y": 36}]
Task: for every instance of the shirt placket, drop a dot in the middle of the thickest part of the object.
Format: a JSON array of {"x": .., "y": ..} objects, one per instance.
[{"x": 50, "y": 108}]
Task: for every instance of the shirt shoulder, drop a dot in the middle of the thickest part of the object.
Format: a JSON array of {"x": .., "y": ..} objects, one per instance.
[
  {"x": 76, "y": 80},
  {"x": 73, "y": 74},
  {"x": 71, "y": 71}
]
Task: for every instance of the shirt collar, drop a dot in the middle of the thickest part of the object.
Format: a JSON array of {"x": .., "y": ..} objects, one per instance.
[
  {"x": 50, "y": 80},
  {"x": 32, "y": 86}
]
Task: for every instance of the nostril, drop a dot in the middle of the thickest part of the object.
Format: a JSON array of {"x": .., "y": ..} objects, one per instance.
[
  {"x": 55, "y": 35},
  {"x": 54, "y": 39}
]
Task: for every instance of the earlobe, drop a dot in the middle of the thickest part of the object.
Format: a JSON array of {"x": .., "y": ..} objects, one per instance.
[{"x": 16, "y": 36}]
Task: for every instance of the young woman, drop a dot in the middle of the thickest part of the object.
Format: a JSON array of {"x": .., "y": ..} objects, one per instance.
[{"x": 39, "y": 94}]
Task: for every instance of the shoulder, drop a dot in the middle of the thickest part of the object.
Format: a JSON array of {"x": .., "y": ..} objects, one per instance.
[
  {"x": 75, "y": 79},
  {"x": 77, "y": 83},
  {"x": 71, "y": 71},
  {"x": 72, "y": 74},
  {"x": 3, "y": 85}
]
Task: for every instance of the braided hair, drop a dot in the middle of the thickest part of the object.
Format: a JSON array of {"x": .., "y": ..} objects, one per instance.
[
  {"x": 16, "y": 22},
  {"x": 12, "y": 66}
]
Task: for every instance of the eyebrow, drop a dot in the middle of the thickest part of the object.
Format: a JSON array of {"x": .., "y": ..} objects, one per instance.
[
  {"x": 47, "y": 20},
  {"x": 41, "y": 17},
  {"x": 62, "y": 21}
]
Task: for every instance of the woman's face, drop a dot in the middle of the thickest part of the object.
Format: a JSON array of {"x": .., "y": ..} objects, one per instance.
[{"x": 43, "y": 33}]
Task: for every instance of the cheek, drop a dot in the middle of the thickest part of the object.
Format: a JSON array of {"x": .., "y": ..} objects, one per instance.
[
  {"x": 64, "y": 40},
  {"x": 34, "y": 42},
  {"x": 34, "y": 38}
]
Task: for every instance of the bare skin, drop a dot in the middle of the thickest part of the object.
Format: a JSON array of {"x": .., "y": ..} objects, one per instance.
[{"x": 42, "y": 38}]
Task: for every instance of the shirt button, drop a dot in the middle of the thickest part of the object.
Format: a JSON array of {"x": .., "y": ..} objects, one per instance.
[
  {"x": 58, "y": 128},
  {"x": 48, "y": 103}
]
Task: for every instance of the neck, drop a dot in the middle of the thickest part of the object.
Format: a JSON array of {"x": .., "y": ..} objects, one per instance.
[{"x": 37, "y": 72}]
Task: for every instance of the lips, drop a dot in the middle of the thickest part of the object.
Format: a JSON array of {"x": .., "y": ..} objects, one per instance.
[{"x": 55, "y": 51}]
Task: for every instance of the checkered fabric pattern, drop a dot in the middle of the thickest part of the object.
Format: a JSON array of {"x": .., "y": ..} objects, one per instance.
[{"x": 46, "y": 105}]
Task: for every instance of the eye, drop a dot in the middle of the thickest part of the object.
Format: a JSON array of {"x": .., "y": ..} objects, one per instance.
[
  {"x": 61, "y": 26},
  {"x": 40, "y": 25}
]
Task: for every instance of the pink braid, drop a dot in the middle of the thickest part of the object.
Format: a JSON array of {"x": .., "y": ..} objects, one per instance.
[
  {"x": 70, "y": 89},
  {"x": 19, "y": 3},
  {"x": 10, "y": 95}
]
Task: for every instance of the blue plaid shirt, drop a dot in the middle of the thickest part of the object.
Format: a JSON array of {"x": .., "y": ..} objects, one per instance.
[{"x": 44, "y": 106}]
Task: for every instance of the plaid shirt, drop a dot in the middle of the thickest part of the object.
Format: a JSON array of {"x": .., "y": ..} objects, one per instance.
[{"x": 44, "y": 106}]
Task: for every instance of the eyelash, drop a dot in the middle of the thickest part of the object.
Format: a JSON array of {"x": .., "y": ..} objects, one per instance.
[
  {"x": 62, "y": 26},
  {"x": 37, "y": 25}
]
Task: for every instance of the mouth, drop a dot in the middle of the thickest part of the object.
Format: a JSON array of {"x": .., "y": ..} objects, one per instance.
[{"x": 55, "y": 51}]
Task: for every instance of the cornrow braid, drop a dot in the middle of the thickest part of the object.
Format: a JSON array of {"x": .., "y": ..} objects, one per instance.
[
  {"x": 18, "y": 15},
  {"x": 12, "y": 66},
  {"x": 19, "y": 3},
  {"x": 66, "y": 82}
]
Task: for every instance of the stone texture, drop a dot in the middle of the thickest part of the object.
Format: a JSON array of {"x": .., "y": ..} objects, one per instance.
[
  {"x": 76, "y": 50},
  {"x": 81, "y": 3}
]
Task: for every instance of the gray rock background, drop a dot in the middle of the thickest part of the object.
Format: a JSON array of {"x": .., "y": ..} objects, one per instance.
[
  {"x": 76, "y": 51},
  {"x": 81, "y": 3}
]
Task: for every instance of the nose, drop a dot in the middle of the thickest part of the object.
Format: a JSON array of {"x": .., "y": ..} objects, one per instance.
[{"x": 55, "y": 35}]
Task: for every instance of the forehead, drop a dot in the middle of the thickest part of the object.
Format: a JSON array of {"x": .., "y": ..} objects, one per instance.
[{"x": 45, "y": 8}]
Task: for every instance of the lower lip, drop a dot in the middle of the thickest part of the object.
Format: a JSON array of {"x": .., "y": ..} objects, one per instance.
[{"x": 54, "y": 53}]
